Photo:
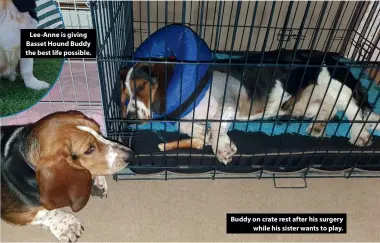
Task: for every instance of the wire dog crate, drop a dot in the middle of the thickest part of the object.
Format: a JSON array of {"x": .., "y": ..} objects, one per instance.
[{"x": 231, "y": 28}]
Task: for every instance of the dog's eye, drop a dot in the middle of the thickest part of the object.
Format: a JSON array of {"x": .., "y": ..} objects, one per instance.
[
  {"x": 139, "y": 88},
  {"x": 90, "y": 150}
]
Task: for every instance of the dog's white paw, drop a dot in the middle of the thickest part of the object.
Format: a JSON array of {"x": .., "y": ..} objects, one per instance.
[
  {"x": 316, "y": 130},
  {"x": 12, "y": 76},
  {"x": 63, "y": 225},
  {"x": 36, "y": 84},
  {"x": 100, "y": 187},
  {"x": 161, "y": 146},
  {"x": 67, "y": 229},
  {"x": 225, "y": 150},
  {"x": 363, "y": 140}
]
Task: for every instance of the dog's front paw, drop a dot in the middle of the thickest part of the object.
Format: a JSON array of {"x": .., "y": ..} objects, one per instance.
[
  {"x": 161, "y": 146},
  {"x": 66, "y": 227},
  {"x": 99, "y": 187},
  {"x": 317, "y": 130},
  {"x": 12, "y": 76},
  {"x": 225, "y": 149},
  {"x": 363, "y": 140},
  {"x": 36, "y": 84}
]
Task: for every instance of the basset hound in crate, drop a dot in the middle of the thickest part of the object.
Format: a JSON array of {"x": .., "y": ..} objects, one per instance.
[
  {"x": 243, "y": 92},
  {"x": 53, "y": 163},
  {"x": 14, "y": 16}
]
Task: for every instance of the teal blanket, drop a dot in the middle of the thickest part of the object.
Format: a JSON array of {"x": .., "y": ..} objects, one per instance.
[{"x": 271, "y": 128}]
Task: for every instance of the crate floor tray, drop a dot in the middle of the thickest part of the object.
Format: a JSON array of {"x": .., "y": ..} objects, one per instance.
[{"x": 281, "y": 153}]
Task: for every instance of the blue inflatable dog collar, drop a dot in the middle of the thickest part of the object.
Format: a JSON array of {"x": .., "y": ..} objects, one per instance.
[{"x": 185, "y": 46}]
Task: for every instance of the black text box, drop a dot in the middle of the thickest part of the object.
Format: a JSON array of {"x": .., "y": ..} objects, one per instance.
[
  {"x": 286, "y": 223},
  {"x": 58, "y": 43}
]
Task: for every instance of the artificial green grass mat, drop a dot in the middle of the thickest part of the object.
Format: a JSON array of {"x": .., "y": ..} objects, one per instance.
[{"x": 15, "y": 97}]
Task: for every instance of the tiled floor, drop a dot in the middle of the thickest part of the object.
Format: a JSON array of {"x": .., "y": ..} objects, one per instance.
[
  {"x": 78, "y": 82},
  {"x": 77, "y": 88}
]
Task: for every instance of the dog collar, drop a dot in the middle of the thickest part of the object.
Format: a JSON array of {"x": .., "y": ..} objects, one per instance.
[
  {"x": 27, "y": 160},
  {"x": 30, "y": 165}
]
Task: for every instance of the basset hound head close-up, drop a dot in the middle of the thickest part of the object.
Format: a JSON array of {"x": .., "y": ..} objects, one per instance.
[
  {"x": 65, "y": 151},
  {"x": 67, "y": 147},
  {"x": 143, "y": 89}
]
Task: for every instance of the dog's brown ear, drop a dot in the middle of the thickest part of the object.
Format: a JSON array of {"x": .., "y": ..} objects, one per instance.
[
  {"x": 63, "y": 183},
  {"x": 163, "y": 74},
  {"x": 123, "y": 73},
  {"x": 124, "y": 97}
]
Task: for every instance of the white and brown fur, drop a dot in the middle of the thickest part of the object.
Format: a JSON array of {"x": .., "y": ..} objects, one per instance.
[
  {"x": 56, "y": 162},
  {"x": 14, "y": 16},
  {"x": 256, "y": 87}
]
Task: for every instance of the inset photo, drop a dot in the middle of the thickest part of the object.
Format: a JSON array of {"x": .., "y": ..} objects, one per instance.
[{"x": 25, "y": 81}]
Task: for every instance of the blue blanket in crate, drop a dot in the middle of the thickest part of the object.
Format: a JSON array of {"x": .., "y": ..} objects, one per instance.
[{"x": 271, "y": 128}]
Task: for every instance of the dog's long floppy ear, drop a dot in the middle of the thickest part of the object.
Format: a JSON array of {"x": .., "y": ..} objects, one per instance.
[
  {"x": 123, "y": 90},
  {"x": 123, "y": 73},
  {"x": 163, "y": 74},
  {"x": 63, "y": 183},
  {"x": 24, "y": 5}
]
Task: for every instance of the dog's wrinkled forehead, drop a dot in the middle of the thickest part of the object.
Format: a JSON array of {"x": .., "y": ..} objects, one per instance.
[
  {"x": 58, "y": 123},
  {"x": 142, "y": 72},
  {"x": 94, "y": 133}
]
